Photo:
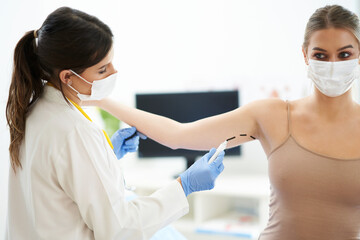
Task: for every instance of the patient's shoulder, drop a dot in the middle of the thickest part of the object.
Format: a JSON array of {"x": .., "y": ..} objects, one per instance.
[
  {"x": 271, "y": 116},
  {"x": 268, "y": 108}
]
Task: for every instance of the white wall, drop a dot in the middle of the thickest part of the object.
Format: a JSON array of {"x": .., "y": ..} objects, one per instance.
[{"x": 166, "y": 45}]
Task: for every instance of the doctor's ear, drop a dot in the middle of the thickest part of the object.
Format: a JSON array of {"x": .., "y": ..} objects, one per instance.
[
  {"x": 305, "y": 58},
  {"x": 64, "y": 76}
]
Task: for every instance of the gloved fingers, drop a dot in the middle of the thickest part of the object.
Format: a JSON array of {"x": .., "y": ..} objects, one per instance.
[
  {"x": 132, "y": 141},
  {"x": 220, "y": 168},
  {"x": 127, "y": 132},
  {"x": 117, "y": 150},
  {"x": 207, "y": 156},
  {"x": 129, "y": 146},
  {"x": 141, "y": 135},
  {"x": 218, "y": 160},
  {"x": 115, "y": 135},
  {"x": 131, "y": 149},
  {"x": 211, "y": 152},
  {"x": 122, "y": 134},
  {"x": 119, "y": 154}
]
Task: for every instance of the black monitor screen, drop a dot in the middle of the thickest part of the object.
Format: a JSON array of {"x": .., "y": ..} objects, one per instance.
[{"x": 184, "y": 107}]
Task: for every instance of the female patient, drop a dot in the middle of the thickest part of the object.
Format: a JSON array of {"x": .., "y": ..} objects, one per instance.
[{"x": 312, "y": 144}]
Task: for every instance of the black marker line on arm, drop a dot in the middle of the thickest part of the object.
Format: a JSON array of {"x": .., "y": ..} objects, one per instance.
[{"x": 230, "y": 138}]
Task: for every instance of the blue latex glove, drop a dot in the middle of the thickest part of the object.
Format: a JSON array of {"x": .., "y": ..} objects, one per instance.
[
  {"x": 201, "y": 175},
  {"x": 126, "y": 140}
]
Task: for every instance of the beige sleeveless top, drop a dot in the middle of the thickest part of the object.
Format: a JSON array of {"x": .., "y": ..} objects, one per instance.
[{"x": 313, "y": 197}]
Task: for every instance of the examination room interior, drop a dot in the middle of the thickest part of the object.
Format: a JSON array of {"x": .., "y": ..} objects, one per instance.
[{"x": 188, "y": 46}]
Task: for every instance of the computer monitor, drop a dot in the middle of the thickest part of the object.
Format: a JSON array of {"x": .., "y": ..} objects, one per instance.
[{"x": 184, "y": 107}]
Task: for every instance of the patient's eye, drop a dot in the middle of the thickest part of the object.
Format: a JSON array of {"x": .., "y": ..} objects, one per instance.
[
  {"x": 320, "y": 56},
  {"x": 344, "y": 55}
]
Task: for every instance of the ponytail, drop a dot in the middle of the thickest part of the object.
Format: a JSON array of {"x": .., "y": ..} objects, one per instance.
[
  {"x": 25, "y": 88},
  {"x": 62, "y": 42}
]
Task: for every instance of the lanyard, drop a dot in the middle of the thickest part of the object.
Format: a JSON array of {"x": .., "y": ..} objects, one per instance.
[
  {"x": 85, "y": 115},
  {"x": 129, "y": 188}
]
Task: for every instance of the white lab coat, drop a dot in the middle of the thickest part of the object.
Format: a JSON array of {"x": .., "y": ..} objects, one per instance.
[{"x": 70, "y": 186}]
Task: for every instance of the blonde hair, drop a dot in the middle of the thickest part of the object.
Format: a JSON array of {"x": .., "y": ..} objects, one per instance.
[{"x": 332, "y": 16}]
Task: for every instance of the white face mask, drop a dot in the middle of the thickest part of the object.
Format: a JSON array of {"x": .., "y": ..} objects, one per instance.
[
  {"x": 99, "y": 89},
  {"x": 333, "y": 78}
]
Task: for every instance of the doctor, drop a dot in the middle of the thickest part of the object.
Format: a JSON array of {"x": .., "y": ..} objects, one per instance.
[{"x": 64, "y": 183}]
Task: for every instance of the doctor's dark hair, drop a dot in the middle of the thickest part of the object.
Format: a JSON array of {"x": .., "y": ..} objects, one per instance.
[
  {"x": 68, "y": 39},
  {"x": 332, "y": 16}
]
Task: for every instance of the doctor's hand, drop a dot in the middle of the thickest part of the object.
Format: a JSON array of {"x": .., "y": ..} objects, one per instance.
[
  {"x": 126, "y": 140},
  {"x": 201, "y": 175}
]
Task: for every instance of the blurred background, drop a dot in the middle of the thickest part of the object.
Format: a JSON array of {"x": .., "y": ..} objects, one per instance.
[{"x": 162, "y": 46}]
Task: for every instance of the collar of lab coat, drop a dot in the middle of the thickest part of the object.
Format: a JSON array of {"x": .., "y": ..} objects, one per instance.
[{"x": 52, "y": 94}]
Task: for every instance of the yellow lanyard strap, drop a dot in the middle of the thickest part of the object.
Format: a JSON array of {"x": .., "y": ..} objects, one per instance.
[{"x": 85, "y": 115}]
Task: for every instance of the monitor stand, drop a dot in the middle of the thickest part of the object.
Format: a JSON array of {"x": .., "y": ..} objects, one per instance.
[{"x": 189, "y": 161}]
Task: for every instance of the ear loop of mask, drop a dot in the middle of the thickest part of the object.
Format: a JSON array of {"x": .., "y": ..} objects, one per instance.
[
  {"x": 69, "y": 85},
  {"x": 310, "y": 86},
  {"x": 81, "y": 77},
  {"x": 70, "y": 82}
]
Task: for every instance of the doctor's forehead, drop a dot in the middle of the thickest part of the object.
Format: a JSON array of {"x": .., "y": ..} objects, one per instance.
[
  {"x": 333, "y": 39},
  {"x": 106, "y": 60}
]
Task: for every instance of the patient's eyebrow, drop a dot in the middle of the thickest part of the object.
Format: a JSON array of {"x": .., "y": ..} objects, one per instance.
[
  {"x": 319, "y": 49},
  {"x": 348, "y": 46},
  {"x": 323, "y": 50}
]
